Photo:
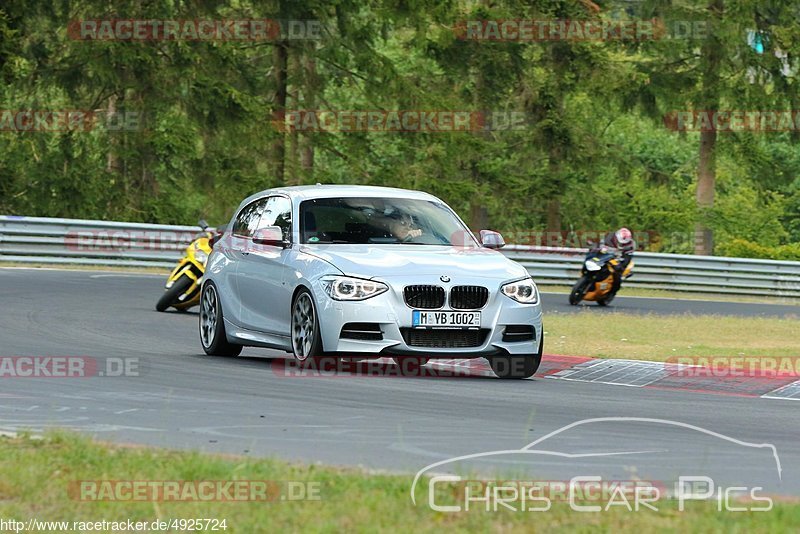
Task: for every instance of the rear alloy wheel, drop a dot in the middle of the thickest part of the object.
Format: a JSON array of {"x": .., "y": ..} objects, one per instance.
[
  {"x": 212, "y": 325},
  {"x": 410, "y": 365},
  {"x": 306, "y": 341},
  {"x": 517, "y": 365}
]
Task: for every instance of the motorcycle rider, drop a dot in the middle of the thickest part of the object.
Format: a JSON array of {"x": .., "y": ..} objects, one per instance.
[{"x": 622, "y": 244}]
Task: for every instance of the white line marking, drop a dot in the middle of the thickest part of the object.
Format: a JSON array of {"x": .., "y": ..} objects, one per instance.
[
  {"x": 769, "y": 397},
  {"x": 776, "y": 393}
]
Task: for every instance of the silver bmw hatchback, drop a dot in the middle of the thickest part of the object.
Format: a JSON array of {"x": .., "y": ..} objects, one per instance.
[{"x": 358, "y": 271}]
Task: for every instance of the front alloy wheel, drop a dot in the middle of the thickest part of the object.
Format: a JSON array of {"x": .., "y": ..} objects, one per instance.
[{"x": 306, "y": 341}]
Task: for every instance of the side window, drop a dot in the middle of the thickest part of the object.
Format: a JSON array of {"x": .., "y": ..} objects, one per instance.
[
  {"x": 278, "y": 212},
  {"x": 247, "y": 220}
]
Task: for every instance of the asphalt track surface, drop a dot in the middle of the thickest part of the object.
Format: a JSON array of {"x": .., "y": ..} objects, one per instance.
[{"x": 247, "y": 405}]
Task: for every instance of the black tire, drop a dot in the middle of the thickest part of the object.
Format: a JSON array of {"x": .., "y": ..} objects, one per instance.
[
  {"x": 306, "y": 339},
  {"x": 212, "y": 331},
  {"x": 170, "y": 296},
  {"x": 517, "y": 365},
  {"x": 410, "y": 365},
  {"x": 579, "y": 290}
]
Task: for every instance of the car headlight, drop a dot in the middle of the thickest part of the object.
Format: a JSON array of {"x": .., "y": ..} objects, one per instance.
[
  {"x": 523, "y": 291},
  {"x": 349, "y": 288},
  {"x": 592, "y": 265}
]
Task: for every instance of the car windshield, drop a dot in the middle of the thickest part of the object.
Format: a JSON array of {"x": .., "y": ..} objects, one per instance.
[{"x": 359, "y": 220}]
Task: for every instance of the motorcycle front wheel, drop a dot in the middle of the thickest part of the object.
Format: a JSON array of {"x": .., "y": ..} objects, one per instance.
[
  {"x": 579, "y": 290},
  {"x": 170, "y": 296}
]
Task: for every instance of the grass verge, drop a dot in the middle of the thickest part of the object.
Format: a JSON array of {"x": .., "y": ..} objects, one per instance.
[
  {"x": 36, "y": 476},
  {"x": 660, "y": 337}
]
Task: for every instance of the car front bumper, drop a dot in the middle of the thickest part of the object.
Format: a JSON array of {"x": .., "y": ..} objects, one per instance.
[{"x": 390, "y": 312}]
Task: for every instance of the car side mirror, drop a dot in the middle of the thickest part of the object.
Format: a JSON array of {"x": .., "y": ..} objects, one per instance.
[
  {"x": 492, "y": 239},
  {"x": 270, "y": 235}
]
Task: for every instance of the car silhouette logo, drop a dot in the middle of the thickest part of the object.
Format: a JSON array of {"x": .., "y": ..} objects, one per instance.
[
  {"x": 444, "y": 278},
  {"x": 534, "y": 449}
]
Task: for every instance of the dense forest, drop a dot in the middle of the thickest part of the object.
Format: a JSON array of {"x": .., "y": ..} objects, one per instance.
[{"x": 185, "y": 127}]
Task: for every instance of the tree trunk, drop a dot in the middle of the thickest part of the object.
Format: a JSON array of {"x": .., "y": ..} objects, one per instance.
[
  {"x": 479, "y": 217},
  {"x": 294, "y": 101},
  {"x": 706, "y": 178},
  {"x": 706, "y": 170},
  {"x": 112, "y": 158},
  {"x": 479, "y": 214},
  {"x": 307, "y": 158},
  {"x": 795, "y": 133},
  {"x": 554, "y": 215},
  {"x": 310, "y": 102},
  {"x": 280, "y": 59}
]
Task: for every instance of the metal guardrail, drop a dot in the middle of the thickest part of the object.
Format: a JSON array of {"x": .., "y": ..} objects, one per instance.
[
  {"x": 85, "y": 242},
  {"x": 74, "y": 241},
  {"x": 675, "y": 272}
]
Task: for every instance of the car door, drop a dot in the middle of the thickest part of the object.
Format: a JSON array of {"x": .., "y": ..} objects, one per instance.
[
  {"x": 236, "y": 250},
  {"x": 263, "y": 282}
]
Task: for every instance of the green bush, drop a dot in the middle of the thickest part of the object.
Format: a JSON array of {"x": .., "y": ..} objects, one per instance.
[{"x": 741, "y": 248}]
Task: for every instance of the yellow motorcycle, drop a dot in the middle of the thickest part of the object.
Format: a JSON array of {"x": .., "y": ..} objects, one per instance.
[
  {"x": 597, "y": 277},
  {"x": 183, "y": 285}
]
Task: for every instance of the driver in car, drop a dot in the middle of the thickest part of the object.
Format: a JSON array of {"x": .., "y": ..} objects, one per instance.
[
  {"x": 399, "y": 224},
  {"x": 402, "y": 227}
]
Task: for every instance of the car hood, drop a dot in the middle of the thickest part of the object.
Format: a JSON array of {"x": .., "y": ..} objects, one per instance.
[{"x": 382, "y": 261}]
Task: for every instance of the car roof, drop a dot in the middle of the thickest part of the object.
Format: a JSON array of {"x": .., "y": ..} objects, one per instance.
[{"x": 307, "y": 192}]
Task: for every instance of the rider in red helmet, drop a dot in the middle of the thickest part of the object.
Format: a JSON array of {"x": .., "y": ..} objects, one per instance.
[{"x": 624, "y": 245}]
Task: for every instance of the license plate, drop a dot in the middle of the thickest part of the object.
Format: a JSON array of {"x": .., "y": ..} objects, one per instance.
[{"x": 446, "y": 318}]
